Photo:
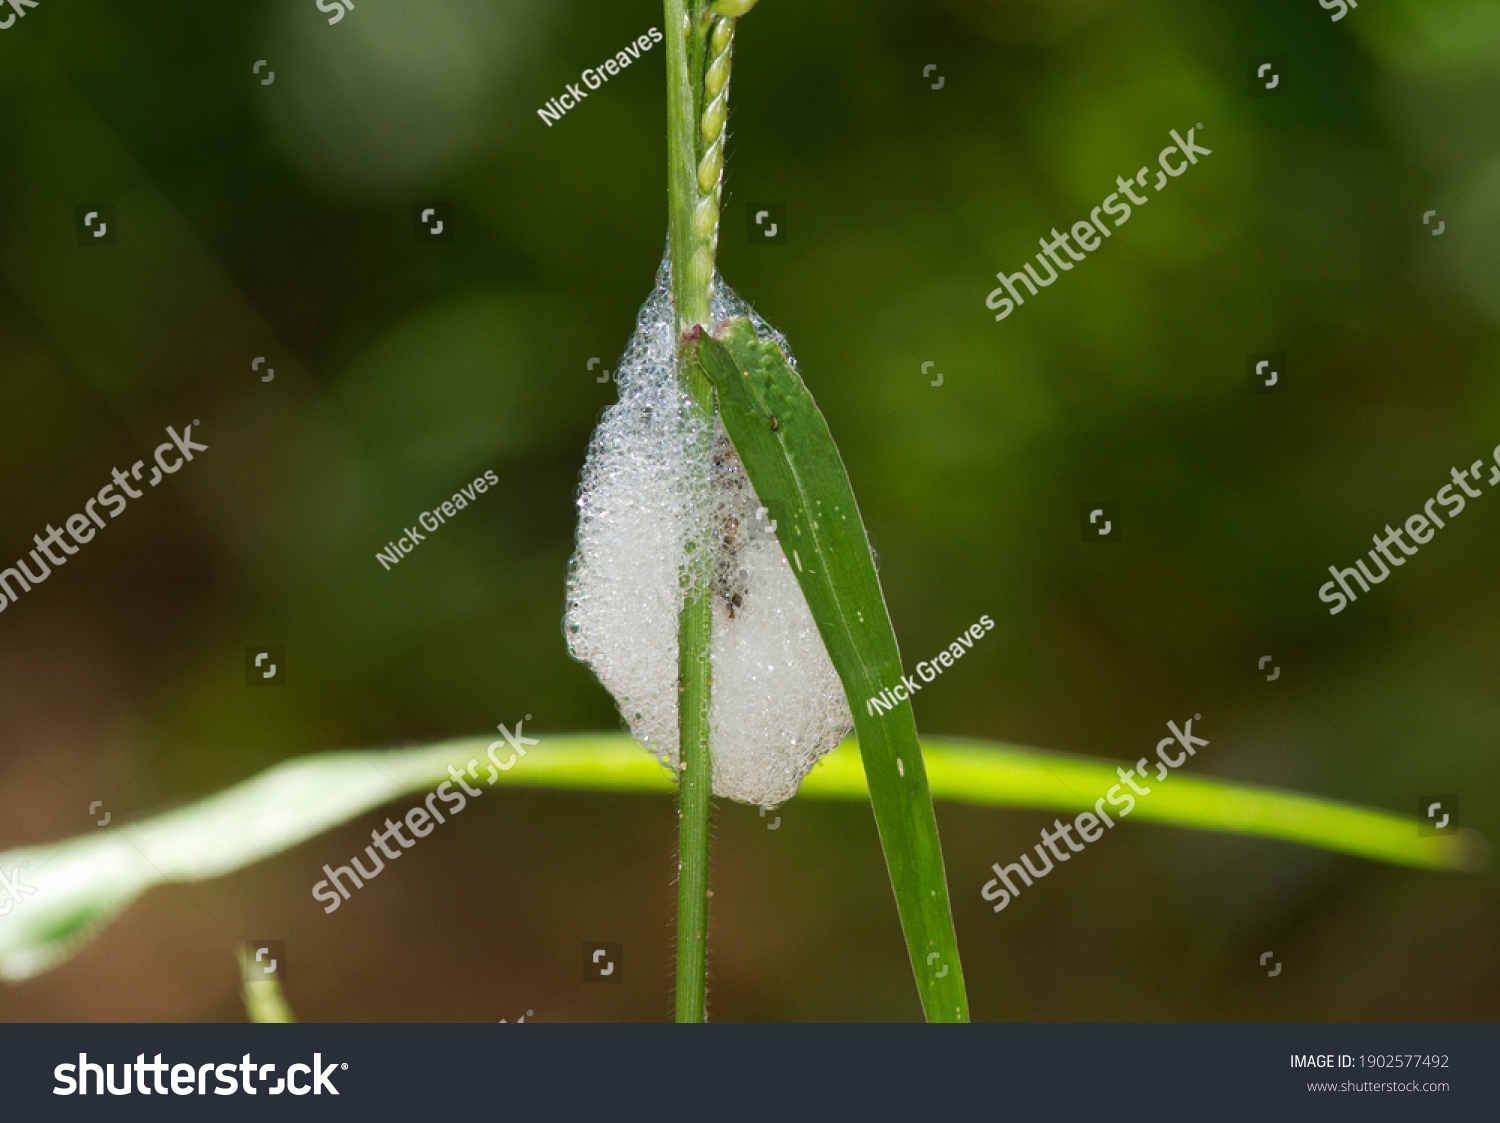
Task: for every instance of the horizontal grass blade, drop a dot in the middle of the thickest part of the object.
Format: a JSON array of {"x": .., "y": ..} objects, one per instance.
[
  {"x": 792, "y": 461},
  {"x": 986, "y": 774},
  {"x": 83, "y": 882}
]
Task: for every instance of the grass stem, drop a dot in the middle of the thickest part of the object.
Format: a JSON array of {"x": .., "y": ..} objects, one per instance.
[{"x": 692, "y": 298}]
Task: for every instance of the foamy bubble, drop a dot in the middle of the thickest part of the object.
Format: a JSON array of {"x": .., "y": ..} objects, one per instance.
[{"x": 653, "y": 471}]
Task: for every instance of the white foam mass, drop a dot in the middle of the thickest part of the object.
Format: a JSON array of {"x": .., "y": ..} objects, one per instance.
[{"x": 652, "y": 473}]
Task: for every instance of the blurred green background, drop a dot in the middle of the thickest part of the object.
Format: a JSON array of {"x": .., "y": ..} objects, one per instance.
[{"x": 276, "y": 220}]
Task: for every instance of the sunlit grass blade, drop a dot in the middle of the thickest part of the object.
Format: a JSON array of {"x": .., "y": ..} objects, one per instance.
[
  {"x": 987, "y": 774},
  {"x": 791, "y": 459},
  {"x": 265, "y": 1001},
  {"x": 83, "y": 882}
]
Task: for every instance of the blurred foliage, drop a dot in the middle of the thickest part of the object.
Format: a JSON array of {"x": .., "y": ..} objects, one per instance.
[{"x": 276, "y": 220}]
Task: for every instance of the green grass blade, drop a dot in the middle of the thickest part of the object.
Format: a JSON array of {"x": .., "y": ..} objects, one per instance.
[
  {"x": 791, "y": 459},
  {"x": 265, "y": 1001},
  {"x": 986, "y": 774},
  {"x": 84, "y": 882}
]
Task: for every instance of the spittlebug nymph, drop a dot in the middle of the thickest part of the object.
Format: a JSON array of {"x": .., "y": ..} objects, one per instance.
[{"x": 731, "y": 579}]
